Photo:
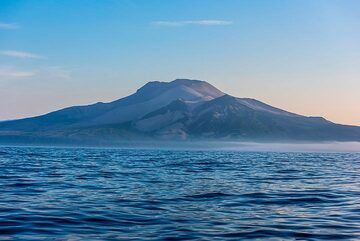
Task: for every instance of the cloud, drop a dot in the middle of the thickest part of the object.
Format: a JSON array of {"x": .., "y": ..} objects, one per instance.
[
  {"x": 186, "y": 23},
  {"x": 9, "y": 72},
  {"x": 43, "y": 73},
  {"x": 20, "y": 54},
  {"x": 8, "y": 25}
]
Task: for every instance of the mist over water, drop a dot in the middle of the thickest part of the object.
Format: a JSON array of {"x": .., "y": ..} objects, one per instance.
[
  {"x": 246, "y": 146},
  {"x": 149, "y": 194},
  {"x": 290, "y": 147}
]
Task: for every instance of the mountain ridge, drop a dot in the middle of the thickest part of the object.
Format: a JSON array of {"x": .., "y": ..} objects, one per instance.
[{"x": 180, "y": 109}]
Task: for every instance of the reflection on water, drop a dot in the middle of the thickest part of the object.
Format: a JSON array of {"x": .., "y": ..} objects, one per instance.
[{"x": 134, "y": 194}]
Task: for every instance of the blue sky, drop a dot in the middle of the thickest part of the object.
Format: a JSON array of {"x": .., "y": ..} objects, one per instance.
[{"x": 300, "y": 55}]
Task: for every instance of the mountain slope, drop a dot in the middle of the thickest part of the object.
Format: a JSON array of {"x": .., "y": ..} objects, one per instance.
[
  {"x": 229, "y": 117},
  {"x": 150, "y": 97},
  {"x": 181, "y": 109},
  {"x": 155, "y": 95}
]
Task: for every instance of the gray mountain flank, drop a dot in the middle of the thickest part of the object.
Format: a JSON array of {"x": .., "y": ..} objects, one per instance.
[{"x": 178, "y": 110}]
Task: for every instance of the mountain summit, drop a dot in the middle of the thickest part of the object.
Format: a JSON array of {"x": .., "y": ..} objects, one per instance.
[{"x": 180, "y": 109}]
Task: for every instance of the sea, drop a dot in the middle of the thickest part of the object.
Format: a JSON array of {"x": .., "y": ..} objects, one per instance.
[{"x": 61, "y": 193}]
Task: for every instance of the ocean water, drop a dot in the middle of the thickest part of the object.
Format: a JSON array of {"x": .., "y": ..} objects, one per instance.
[{"x": 139, "y": 194}]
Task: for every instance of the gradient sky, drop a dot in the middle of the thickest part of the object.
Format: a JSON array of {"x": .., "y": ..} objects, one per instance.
[{"x": 299, "y": 55}]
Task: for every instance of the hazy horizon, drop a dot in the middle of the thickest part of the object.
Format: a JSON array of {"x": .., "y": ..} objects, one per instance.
[
  {"x": 300, "y": 56},
  {"x": 211, "y": 145}
]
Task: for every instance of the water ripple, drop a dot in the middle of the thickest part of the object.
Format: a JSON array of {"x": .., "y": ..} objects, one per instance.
[{"x": 133, "y": 194}]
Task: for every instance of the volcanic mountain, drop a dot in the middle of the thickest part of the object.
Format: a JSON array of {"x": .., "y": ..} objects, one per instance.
[{"x": 180, "y": 109}]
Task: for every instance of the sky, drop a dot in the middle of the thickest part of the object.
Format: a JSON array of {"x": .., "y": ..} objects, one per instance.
[{"x": 300, "y": 55}]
